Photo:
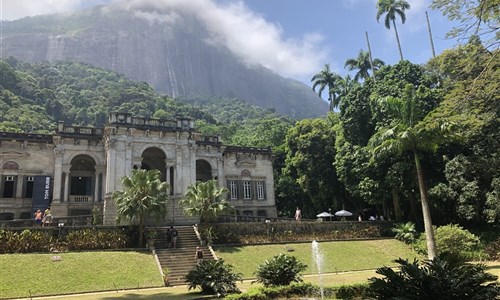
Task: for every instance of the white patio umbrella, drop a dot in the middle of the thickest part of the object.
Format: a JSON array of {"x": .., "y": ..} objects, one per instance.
[
  {"x": 324, "y": 215},
  {"x": 343, "y": 213}
]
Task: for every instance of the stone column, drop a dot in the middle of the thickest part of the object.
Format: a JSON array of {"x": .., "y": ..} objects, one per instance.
[
  {"x": 178, "y": 171},
  {"x": 19, "y": 187},
  {"x": 220, "y": 172},
  {"x": 66, "y": 184},
  {"x": 58, "y": 170},
  {"x": 109, "y": 210},
  {"x": 96, "y": 186}
]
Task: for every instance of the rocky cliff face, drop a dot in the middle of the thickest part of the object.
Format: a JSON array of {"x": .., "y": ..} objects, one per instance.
[{"x": 177, "y": 58}]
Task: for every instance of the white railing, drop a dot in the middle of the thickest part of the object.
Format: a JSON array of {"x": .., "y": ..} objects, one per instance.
[{"x": 81, "y": 199}]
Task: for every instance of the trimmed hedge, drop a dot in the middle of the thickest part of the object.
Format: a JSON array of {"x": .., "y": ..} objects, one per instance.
[
  {"x": 242, "y": 233},
  {"x": 26, "y": 241}
]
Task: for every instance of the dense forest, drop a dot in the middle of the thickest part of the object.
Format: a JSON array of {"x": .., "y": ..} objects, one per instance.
[
  {"x": 406, "y": 134},
  {"x": 34, "y": 97}
]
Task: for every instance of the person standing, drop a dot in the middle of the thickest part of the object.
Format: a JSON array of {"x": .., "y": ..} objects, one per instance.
[
  {"x": 169, "y": 237},
  {"x": 47, "y": 217},
  {"x": 174, "y": 236},
  {"x": 298, "y": 215},
  {"x": 198, "y": 255},
  {"x": 38, "y": 217}
]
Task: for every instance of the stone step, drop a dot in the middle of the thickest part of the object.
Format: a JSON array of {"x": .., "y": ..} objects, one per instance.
[{"x": 180, "y": 260}]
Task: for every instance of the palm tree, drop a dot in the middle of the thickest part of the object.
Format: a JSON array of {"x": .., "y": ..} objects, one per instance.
[
  {"x": 327, "y": 79},
  {"x": 362, "y": 63},
  {"x": 205, "y": 199},
  {"x": 407, "y": 133},
  {"x": 391, "y": 8},
  {"x": 144, "y": 195}
]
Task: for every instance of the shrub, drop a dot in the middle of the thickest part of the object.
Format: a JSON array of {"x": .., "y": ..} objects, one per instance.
[
  {"x": 213, "y": 277},
  {"x": 354, "y": 291},
  {"x": 493, "y": 249},
  {"x": 454, "y": 241},
  {"x": 435, "y": 279},
  {"x": 282, "y": 269},
  {"x": 91, "y": 239},
  {"x": 405, "y": 232},
  {"x": 24, "y": 241}
]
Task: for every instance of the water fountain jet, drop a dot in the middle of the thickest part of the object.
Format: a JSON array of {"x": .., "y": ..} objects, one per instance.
[{"x": 318, "y": 261}]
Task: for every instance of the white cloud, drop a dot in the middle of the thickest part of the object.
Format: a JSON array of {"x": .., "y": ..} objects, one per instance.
[
  {"x": 15, "y": 9},
  {"x": 244, "y": 32},
  {"x": 232, "y": 25}
]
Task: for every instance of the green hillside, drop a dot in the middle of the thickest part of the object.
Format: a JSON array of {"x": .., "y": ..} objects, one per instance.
[{"x": 34, "y": 97}]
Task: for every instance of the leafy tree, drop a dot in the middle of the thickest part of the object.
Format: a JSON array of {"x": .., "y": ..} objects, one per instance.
[
  {"x": 434, "y": 279},
  {"x": 363, "y": 65},
  {"x": 213, "y": 277},
  {"x": 282, "y": 269},
  {"x": 392, "y": 8},
  {"x": 475, "y": 17},
  {"x": 310, "y": 154},
  {"x": 492, "y": 207},
  {"x": 205, "y": 199},
  {"x": 327, "y": 79},
  {"x": 144, "y": 195}
]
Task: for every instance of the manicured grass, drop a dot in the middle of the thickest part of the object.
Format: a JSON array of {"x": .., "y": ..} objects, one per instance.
[
  {"x": 22, "y": 275},
  {"x": 337, "y": 256}
]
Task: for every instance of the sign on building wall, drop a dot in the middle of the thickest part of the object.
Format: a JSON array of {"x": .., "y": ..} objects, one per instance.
[{"x": 41, "y": 193}]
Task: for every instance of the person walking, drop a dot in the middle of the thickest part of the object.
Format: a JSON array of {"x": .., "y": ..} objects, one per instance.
[{"x": 198, "y": 255}]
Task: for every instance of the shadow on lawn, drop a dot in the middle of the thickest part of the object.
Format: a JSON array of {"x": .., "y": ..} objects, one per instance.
[
  {"x": 165, "y": 295},
  {"x": 228, "y": 249}
]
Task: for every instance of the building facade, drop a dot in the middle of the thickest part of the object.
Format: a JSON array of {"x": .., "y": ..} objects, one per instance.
[{"x": 77, "y": 169}]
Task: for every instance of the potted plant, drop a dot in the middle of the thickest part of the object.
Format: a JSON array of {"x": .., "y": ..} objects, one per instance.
[
  {"x": 166, "y": 280},
  {"x": 151, "y": 235}
]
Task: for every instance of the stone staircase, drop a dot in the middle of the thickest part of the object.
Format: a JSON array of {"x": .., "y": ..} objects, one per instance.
[{"x": 179, "y": 260}]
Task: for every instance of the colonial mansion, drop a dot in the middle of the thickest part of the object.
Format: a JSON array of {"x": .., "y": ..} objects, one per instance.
[{"x": 76, "y": 169}]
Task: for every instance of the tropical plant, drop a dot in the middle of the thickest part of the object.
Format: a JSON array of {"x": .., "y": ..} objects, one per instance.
[
  {"x": 405, "y": 232},
  {"x": 327, "y": 79},
  {"x": 392, "y": 8},
  {"x": 405, "y": 133},
  {"x": 434, "y": 279},
  {"x": 144, "y": 195},
  {"x": 363, "y": 65},
  {"x": 213, "y": 277},
  {"x": 205, "y": 199},
  {"x": 282, "y": 269}
]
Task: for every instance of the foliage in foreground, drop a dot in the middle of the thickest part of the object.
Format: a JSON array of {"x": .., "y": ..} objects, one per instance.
[
  {"x": 282, "y": 269},
  {"x": 434, "y": 279},
  {"x": 354, "y": 291},
  {"x": 213, "y": 277}
]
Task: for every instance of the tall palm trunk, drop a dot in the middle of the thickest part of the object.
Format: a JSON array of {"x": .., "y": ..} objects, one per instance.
[
  {"x": 397, "y": 38},
  {"x": 430, "y": 34},
  {"x": 429, "y": 232},
  {"x": 141, "y": 230}
]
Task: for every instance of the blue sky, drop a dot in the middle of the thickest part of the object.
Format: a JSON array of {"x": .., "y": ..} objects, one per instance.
[{"x": 294, "y": 38}]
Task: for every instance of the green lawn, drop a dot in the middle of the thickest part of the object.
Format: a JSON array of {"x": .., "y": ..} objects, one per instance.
[
  {"x": 337, "y": 256},
  {"x": 22, "y": 275}
]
